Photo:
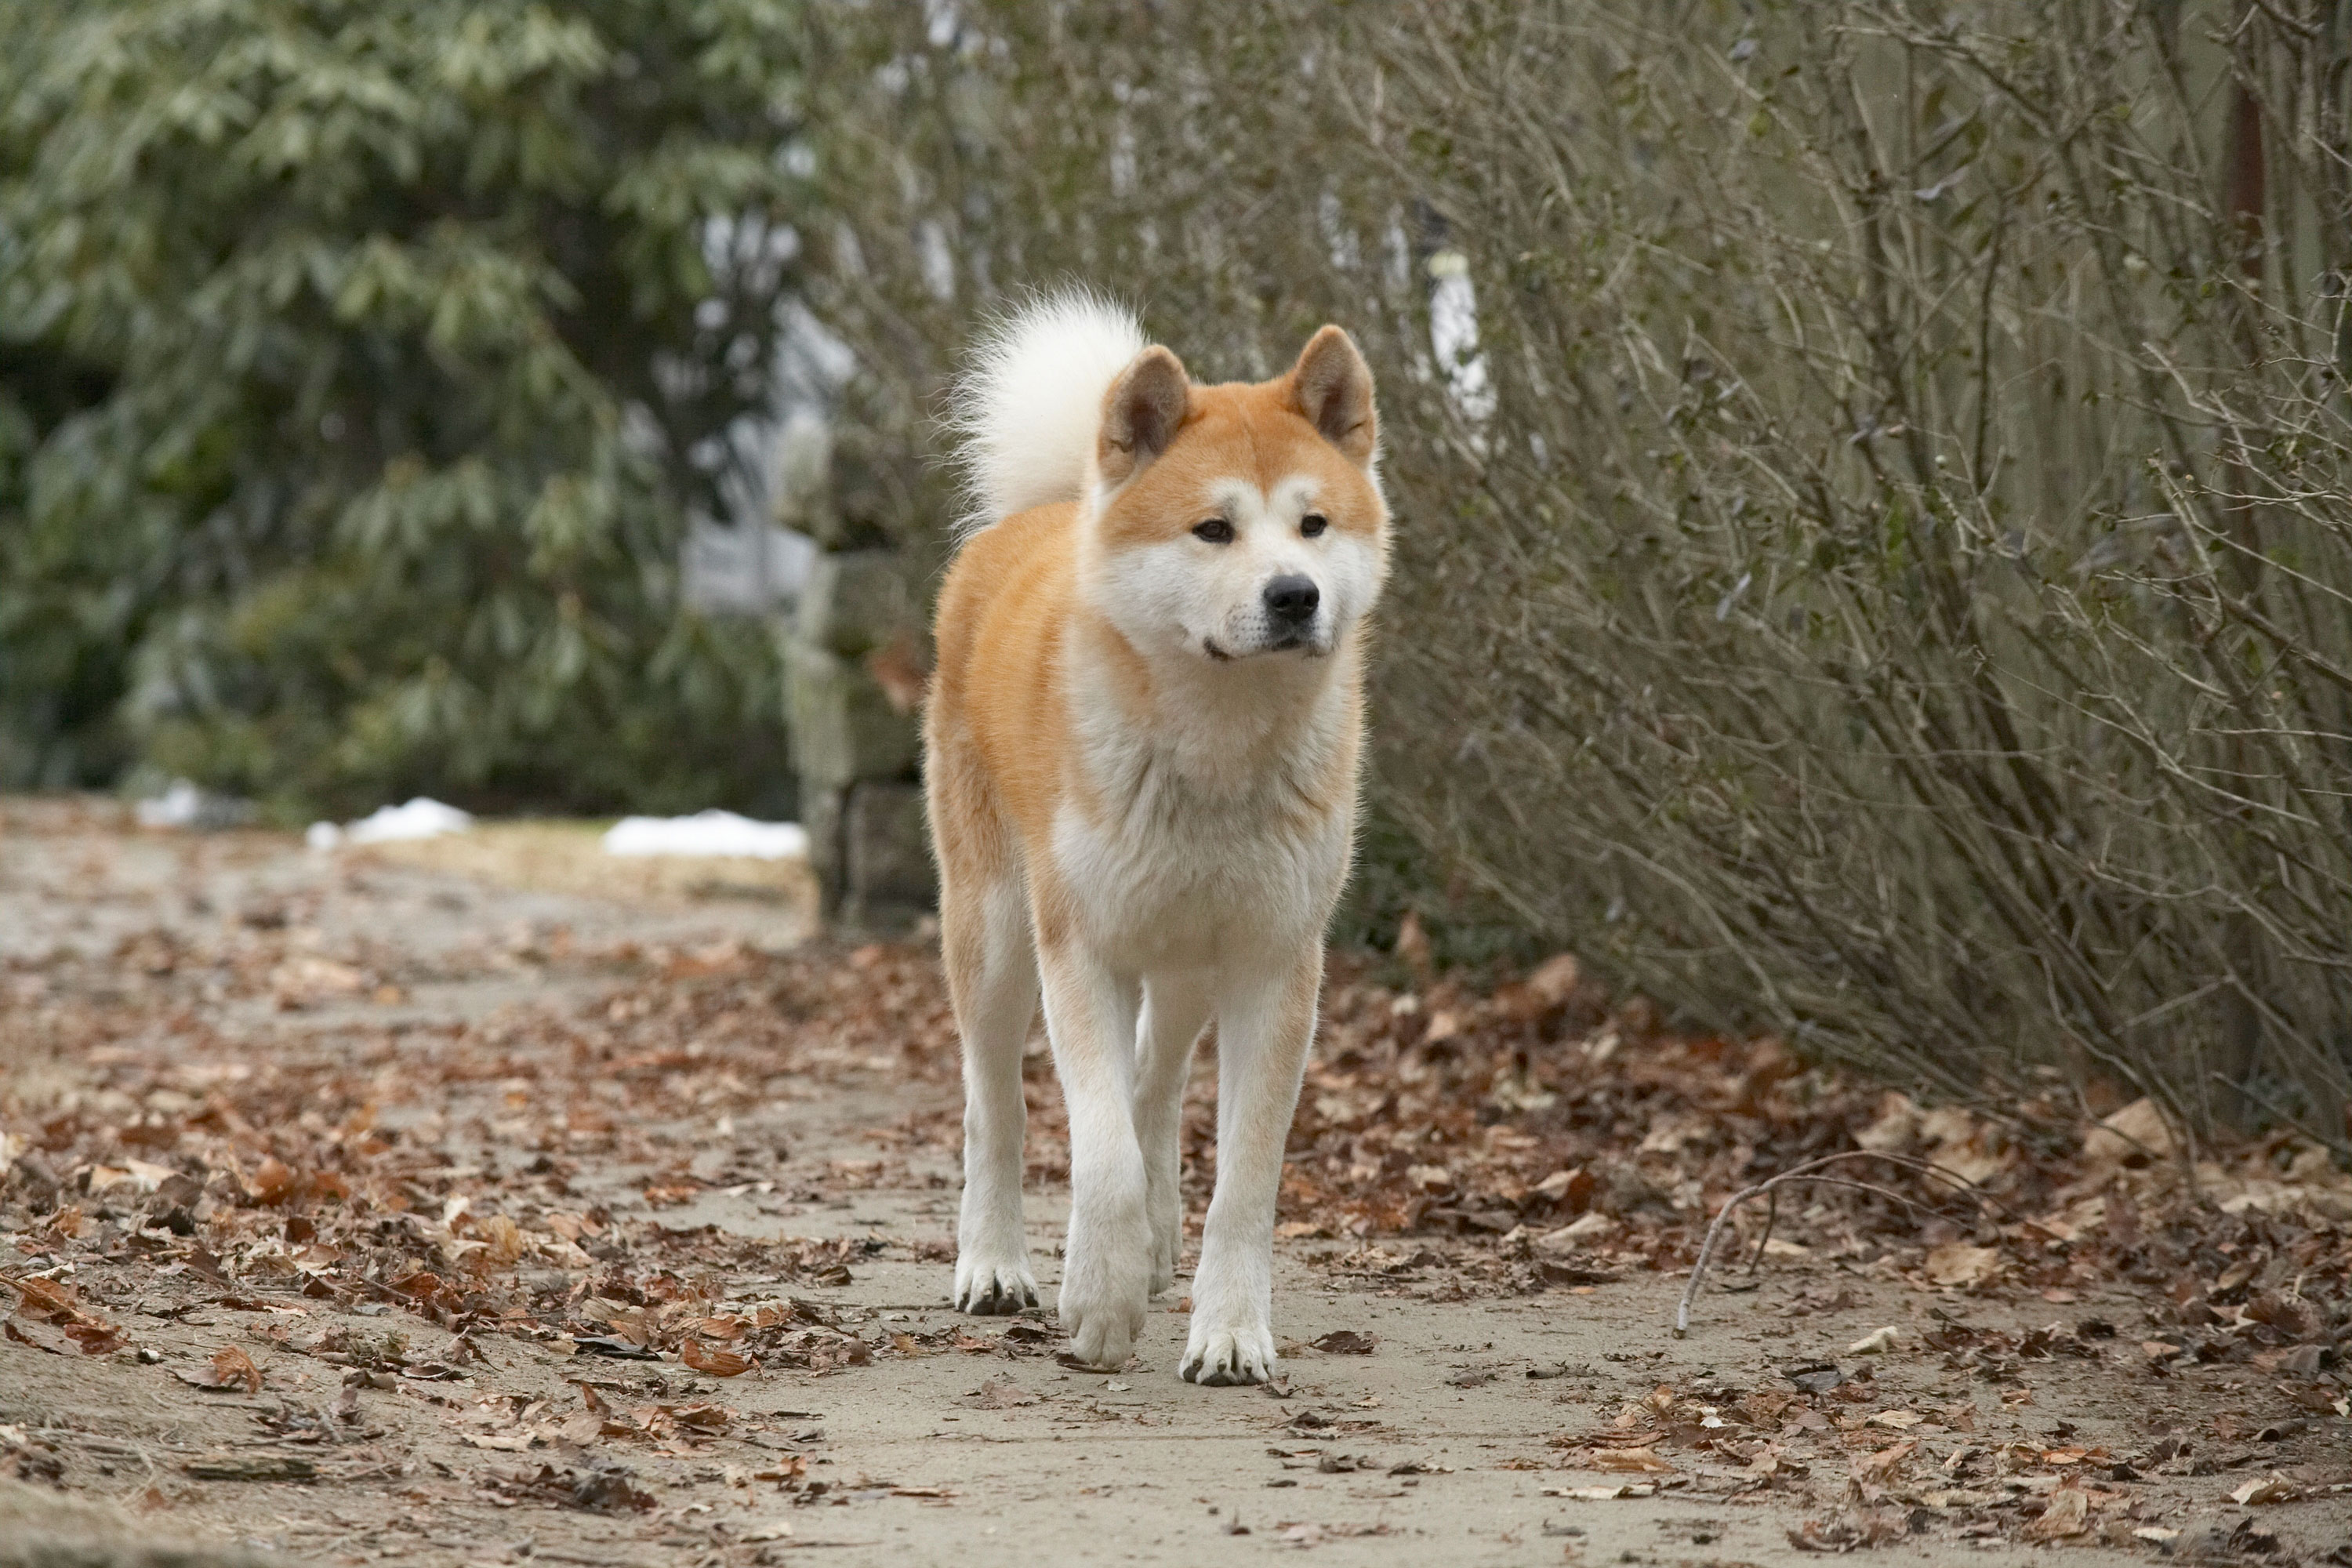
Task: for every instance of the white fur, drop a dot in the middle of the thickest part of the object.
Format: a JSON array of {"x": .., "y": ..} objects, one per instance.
[
  {"x": 1027, "y": 413},
  {"x": 1203, "y": 880},
  {"x": 1184, "y": 597},
  {"x": 1204, "y": 897}
]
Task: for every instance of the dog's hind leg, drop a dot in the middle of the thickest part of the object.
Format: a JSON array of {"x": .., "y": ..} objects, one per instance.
[
  {"x": 1265, "y": 1021},
  {"x": 993, "y": 980},
  {"x": 1175, "y": 1006}
]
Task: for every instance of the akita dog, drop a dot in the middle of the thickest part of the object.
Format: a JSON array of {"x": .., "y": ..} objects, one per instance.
[{"x": 1141, "y": 757}]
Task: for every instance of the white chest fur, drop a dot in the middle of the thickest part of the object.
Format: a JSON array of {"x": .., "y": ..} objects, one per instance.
[{"x": 1219, "y": 823}]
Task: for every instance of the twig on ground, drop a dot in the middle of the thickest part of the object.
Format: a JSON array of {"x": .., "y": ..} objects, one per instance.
[{"x": 1811, "y": 1171}]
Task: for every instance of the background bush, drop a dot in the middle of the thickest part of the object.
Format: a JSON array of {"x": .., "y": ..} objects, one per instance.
[
  {"x": 359, "y": 365},
  {"x": 1884, "y": 571}
]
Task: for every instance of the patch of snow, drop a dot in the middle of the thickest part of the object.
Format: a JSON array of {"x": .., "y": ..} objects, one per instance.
[
  {"x": 1453, "y": 333},
  {"x": 423, "y": 817},
  {"x": 707, "y": 833},
  {"x": 177, "y": 806}
]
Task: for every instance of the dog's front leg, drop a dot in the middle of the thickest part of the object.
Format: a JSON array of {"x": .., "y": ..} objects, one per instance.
[
  {"x": 1264, "y": 1021},
  {"x": 1106, "y": 1260}
]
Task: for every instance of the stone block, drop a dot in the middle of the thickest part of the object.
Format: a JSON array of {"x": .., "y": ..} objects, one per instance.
[
  {"x": 885, "y": 846},
  {"x": 822, "y": 811},
  {"x": 844, "y": 727}
]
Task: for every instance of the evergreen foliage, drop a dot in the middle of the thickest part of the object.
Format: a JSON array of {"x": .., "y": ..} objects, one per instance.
[{"x": 360, "y": 362}]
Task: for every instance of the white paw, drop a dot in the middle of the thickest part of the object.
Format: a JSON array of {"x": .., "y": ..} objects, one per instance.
[
  {"x": 994, "y": 1286},
  {"x": 1102, "y": 1306},
  {"x": 1167, "y": 1249},
  {"x": 1220, "y": 1355}
]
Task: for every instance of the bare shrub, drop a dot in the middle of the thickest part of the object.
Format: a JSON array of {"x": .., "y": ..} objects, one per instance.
[{"x": 1884, "y": 571}]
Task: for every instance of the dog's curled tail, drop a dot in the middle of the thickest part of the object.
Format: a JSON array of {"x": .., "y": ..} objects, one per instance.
[{"x": 1027, "y": 411}]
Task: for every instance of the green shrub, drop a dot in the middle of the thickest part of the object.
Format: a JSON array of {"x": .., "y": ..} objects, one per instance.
[{"x": 359, "y": 367}]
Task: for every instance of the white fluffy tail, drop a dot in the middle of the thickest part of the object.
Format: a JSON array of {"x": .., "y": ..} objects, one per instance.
[{"x": 1028, "y": 410}]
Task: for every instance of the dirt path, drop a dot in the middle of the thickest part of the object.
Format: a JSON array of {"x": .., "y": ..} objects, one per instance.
[{"x": 398, "y": 1159}]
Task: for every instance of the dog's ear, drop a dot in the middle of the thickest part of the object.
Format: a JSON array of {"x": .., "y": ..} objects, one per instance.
[
  {"x": 1331, "y": 387},
  {"x": 1141, "y": 413}
]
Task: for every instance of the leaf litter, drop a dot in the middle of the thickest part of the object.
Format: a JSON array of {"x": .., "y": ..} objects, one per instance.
[{"x": 1456, "y": 1138}]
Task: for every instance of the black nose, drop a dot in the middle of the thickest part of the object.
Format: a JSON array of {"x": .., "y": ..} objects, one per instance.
[{"x": 1292, "y": 598}]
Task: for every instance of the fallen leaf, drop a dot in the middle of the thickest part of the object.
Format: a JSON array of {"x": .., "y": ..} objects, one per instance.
[
  {"x": 1346, "y": 1342},
  {"x": 1815, "y": 1376},
  {"x": 40, "y": 1339},
  {"x": 229, "y": 1370},
  {"x": 2265, "y": 1490},
  {"x": 2068, "y": 1514},
  {"x": 1000, "y": 1394},
  {"x": 1845, "y": 1534},
  {"x": 1878, "y": 1341},
  {"x": 272, "y": 1182},
  {"x": 1962, "y": 1265},
  {"x": 621, "y": 1350},
  {"x": 1878, "y": 1468},
  {"x": 95, "y": 1336},
  {"x": 45, "y": 1300},
  {"x": 1641, "y": 1460},
  {"x": 717, "y": 1362},
  {"x": 2135, "y": 1135}
]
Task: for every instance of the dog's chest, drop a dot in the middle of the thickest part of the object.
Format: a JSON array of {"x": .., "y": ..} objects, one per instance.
[{"x": 1184, "y": 862}]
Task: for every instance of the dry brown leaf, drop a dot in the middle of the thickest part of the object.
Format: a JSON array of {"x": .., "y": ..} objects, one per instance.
[
  {"x": 272, "y": 1182},
  {"x": 230, "y": 1370},
  {"x": 714, "y": 1359},
  {"x": 1642, "y": 1461},
  {"x": 2068, "y": 1514},
  {"x": 94, "y": 1335},
  {"x": 1880, "y": 1469},
  {"x": 2266, "y": 1489},
  {"x": 1958, "y": 1264},
  {"x": 32, "y": 1334},
  {"x": 2135, "y": 1135},
  {"x": 1001, "y": 1394}
]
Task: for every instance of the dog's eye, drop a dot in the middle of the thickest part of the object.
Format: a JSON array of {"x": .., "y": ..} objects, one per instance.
[
  {"x": 1313, "y": 523},
  {"x": 1215, "y": 531}
]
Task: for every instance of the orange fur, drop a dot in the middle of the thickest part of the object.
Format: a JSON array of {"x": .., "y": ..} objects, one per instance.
[{"x": 1141, "y": 751}]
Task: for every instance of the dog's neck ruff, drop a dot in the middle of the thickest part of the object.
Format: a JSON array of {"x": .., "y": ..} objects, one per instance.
[{"x": 1225, "y": 731}]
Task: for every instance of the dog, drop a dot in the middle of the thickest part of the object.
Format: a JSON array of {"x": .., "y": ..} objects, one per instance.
[{"x": 1141, "y": 750}]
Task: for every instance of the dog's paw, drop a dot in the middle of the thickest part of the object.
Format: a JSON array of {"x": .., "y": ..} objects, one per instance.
[
  {"x": 1167, "y": 1247},
  {"x": 1102, "y": 1311},
  {"x": 1221, "y": 1355},
  {"x": 993, "y": 1287}
]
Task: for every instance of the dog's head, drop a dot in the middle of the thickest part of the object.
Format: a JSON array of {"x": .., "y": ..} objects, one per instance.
[{"x": 1238, "y": 522}]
